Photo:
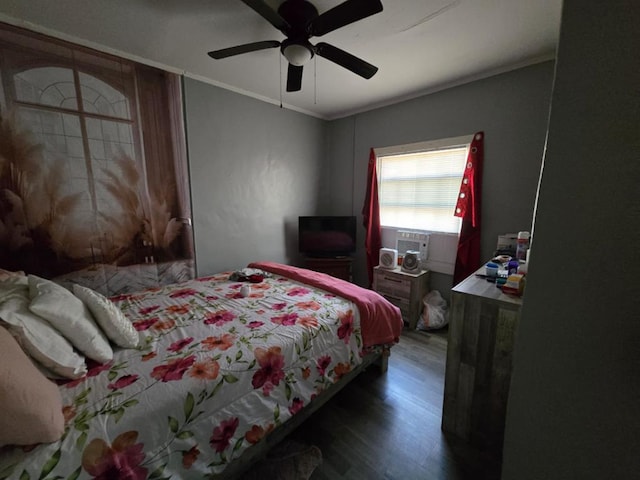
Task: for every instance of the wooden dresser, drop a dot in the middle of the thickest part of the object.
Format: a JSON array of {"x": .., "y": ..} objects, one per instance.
[
  {"x": 339, "y": 267},
  {"x": 482, "y": 329},
  {"x": 403, "y": 289}
]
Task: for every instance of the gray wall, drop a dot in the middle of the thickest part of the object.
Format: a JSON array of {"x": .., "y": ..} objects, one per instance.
[
  {"x": 254, "y": 169},
  {"x": 511, "y": 108},
  {"x": 574, "y": 405}
]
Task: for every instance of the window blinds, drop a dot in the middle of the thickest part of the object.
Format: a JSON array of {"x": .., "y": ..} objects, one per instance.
[{"x": 418, "y": 190}]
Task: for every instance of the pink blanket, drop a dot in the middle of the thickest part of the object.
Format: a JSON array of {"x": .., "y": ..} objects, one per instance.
[{"x": 381, "y": 321}]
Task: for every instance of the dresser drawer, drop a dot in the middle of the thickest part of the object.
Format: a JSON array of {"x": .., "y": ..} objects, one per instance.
[
  {"x": 403, "y": 304},
  {"x": 394, "y": 285}
]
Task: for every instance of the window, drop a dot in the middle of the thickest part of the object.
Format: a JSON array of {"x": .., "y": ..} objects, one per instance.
[
  {"x": 78, "y": 111},
  {"x": 419, "y": 184}
]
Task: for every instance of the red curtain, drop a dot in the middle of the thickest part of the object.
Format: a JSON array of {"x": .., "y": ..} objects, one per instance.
[
  {"x": 371, "y": 218},
  {"x": 469, "y": 208}
]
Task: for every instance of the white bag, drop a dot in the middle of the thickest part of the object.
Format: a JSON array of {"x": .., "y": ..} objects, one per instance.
[{"x": 434, "y": 314}]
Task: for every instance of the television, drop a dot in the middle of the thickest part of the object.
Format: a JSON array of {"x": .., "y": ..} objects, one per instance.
[{"x": 327, "y": 236}]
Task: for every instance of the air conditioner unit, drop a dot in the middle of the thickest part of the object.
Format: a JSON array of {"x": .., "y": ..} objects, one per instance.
[
  {"x": 388, "y": 258},
  {"x": 413, "y": 241}
]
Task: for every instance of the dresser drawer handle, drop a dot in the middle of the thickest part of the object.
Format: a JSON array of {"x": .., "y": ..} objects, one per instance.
[
  {"x": 393, "y": 297},
  {"x": 391, "y": 279}
]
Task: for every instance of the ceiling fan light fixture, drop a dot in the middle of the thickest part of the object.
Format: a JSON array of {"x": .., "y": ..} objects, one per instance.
[
  {"x": 299, "y": 20},
  {"x": 297, "y": 54}
]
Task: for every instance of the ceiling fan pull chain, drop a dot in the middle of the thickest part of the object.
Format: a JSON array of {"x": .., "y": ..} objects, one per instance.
[
  {"x": 315, "y": 80},
  {"x": 280, "y": 83}
]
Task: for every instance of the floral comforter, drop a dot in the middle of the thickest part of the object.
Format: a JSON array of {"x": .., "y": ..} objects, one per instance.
[{"x": 216, "y": 372}]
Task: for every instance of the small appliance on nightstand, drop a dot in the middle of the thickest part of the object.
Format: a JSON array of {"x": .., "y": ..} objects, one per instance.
[
  {"x": 404, "y": 289},
  {"x": 411, "y": 261},
  {"x": 388, "y": 258}
]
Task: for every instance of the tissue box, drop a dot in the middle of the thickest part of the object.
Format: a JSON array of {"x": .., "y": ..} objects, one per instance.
[{"x": 514, "y": 284}]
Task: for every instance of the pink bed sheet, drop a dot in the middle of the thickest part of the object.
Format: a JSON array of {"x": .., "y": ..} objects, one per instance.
[{"x": 381, "y": 321}]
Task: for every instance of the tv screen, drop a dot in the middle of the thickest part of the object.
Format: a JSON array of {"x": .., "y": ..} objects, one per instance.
[{"x": 327, "y": 236}]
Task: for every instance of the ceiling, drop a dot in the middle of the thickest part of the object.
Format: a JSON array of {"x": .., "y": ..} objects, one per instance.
[{"x": 419, "y": 46}]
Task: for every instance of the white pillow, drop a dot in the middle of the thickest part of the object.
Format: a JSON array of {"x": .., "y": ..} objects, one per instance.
[
  {"x": 110, "y": 318},
  {"x": 13, "y": 285},
  {"x": 70, "y": 317},
  {"x": 5, "y": 274},
  {"x": 37, "y": 337}
]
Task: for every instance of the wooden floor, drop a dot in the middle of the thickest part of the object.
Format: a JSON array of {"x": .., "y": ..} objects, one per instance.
[{"x": 387, "y": 426}]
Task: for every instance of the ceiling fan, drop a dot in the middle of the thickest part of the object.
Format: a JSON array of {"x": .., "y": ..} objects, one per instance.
[{"x": 299, "y": 20}]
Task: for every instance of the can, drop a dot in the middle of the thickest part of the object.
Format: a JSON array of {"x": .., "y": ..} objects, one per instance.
[{"x": 522, "y": 245}]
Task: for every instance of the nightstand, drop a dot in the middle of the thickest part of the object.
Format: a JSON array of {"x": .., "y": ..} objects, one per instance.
[{"x": 403, "y": 289}]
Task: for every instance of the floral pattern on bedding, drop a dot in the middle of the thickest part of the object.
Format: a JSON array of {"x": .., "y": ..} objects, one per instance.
[{"x": 216, "y": 372}]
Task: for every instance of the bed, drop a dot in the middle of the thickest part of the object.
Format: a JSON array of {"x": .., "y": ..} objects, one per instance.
[{"x": 224, "y": 368}]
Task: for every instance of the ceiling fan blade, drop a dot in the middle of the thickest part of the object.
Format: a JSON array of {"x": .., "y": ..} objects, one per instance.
[
  {"x": 346, "y": 60},
  {"x": 246, "y": 48},
  {"x": 294, "y": 78},
  {"x": 343, "y": 14},
  {"x": 269, "y": 14}
]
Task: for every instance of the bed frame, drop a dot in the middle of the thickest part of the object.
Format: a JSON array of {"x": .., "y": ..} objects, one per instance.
[{"x": 239, "y": 466}]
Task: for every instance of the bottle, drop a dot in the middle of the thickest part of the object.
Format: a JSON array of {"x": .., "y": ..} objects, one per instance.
[
  {"x": 522, "y": 246},
  {"x": 512, "y": 267}
]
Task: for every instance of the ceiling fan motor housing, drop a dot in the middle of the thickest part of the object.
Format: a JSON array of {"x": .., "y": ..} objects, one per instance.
[{"x": 298, "y": 13}]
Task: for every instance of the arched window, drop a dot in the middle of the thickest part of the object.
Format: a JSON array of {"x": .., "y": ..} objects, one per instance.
[
  {"x": 81, "y": 184},
  {"x": 78, "y": 116}
]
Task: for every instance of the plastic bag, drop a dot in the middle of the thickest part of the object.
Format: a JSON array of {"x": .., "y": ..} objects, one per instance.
[{"x": 434, "y": 315}]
